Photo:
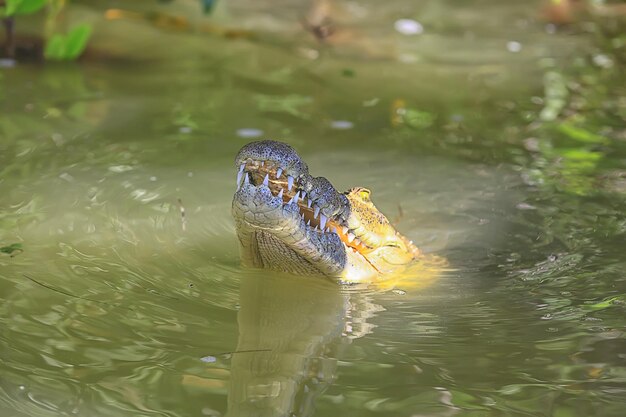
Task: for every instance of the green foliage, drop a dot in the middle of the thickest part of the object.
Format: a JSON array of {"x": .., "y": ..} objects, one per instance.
[
  {"x": 607, "y": 303},
  {"x": 59, "y": 47},
  {"x": 207, "y": 5},
  {"x": 67, "y": 47},
  {"x": 183, "y": 118},
  {"x": 418, "y": 119},
  {"x": 21, "y": 7},
  {"x": 556, "y": 95},
  {"x": 580, "y": 134},
  {"x": 348, "y": 73},
  {"x": 12, "y": 249},
  {"x": 287, "y": 104}
]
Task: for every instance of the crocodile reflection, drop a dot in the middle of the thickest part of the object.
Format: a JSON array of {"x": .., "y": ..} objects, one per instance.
[{"x": 290, "y": 332}]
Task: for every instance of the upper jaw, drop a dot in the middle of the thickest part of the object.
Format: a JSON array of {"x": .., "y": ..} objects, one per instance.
[
  {"x": 277, "y": 165},
  {"x": 274, "y": 152},
  {"x": 281, "y": 162}
]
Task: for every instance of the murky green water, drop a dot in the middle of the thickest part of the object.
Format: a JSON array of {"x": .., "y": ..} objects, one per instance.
[{"x": 113, "y": 308}]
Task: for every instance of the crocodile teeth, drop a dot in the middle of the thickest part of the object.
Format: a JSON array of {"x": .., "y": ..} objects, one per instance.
[
  {"x": 246, "y": 179},
  {"x": 280, "y": 194},
  {"x": 242, "y": 167},
  {"x": 239, "y": 175},
  {"x": 294, "y": 199},
  {"x": 309, "y": 202},
  {"x": 289, "y": 182},
  {"x": 350, "y": 237},
  {"x": 266, "y": 180},
  {"x": 344, "y": 230},
  {"x": 308, "y": 223},
  {"x": 303, "y": 195},
  {"x": 323, "y": 221},
  {"x": 317, "y": 211},
  {"x": 279, "y": 172}
]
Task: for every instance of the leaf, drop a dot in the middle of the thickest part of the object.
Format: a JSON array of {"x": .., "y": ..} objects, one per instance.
[
  {"x": 10, "y": 249},
  {"x": 418, "y": 119},
  {"x": 579, "y": 134},
  {"x": 77, "y": 41},
  {"x": 580, "y": 155},
  {"x": 207, "y": 5},
  {"x": 610, "y": 302},
  {"x": 55, "y": 47},
  {"x": 289, "y": 104},
  {"x": 555, "y": 96},
  {"x": 20, "y": 7},
  {"x": 70, "y": 46}
]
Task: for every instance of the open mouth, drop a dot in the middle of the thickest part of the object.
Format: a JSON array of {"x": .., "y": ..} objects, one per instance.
[{"x": 292, "y": 191}]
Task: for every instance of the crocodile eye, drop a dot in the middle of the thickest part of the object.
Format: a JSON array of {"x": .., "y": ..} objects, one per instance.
[{"x": 364, "y": 193}]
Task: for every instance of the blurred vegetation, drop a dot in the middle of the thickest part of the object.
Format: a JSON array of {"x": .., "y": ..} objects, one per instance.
[
  {"x": 568, "y": 138},
  {"x": 21, "y": 7},
  {"x": 58, "y": 46}
]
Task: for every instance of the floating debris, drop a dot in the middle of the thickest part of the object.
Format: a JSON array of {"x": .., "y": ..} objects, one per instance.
[
  {"x": 67, "y": 177},
  {"x": 12, "y": 249},
  {"x": 7, "y": 63},
  {"x": 249, "y": 133},
  {"x": 183, "y": 219},
  {"x": 120, "y": 168},
  {"x": 408, "y": 27},
  {"x": 513, "y": 46},
  {"x": 602, "y": 61},
  {"x": 341, "y": 124},
  {"x": 371, "y": 102}
]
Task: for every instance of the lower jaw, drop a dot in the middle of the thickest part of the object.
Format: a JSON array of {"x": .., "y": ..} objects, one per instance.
[
  {"x": 324, "y": 261},
  {"x": 356, "y": 269}
]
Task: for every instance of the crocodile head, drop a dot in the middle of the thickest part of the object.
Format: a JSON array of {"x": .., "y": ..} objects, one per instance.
[{"x": 290, "y": 221}]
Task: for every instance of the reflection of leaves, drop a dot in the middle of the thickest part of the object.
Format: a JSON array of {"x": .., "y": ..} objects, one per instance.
[
  {"x": 579, "y": 134},
  {"x": 283, "y": 104},
  {"x": 70, "y": 46},
  {"x": 418, "y": 119},
  {"x": 25, "y": 214},
  {"x": 555, "y": 96},
  {"x": 182, "y": 118},
  {"x": 576, "y": 165},
  {"x": 610, "y": 302},
  {"x": 580, "y": 158},
  {"x": 12, "y": 249}
]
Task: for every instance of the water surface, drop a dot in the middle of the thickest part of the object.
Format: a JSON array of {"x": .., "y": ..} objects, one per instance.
[{"x": 116, "y": 307}]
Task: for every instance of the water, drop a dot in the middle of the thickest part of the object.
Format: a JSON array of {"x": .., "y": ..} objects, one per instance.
[{"x": 116, "y": 307}]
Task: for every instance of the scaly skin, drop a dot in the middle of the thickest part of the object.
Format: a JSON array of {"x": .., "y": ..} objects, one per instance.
[{"x": 288, "y": 220}]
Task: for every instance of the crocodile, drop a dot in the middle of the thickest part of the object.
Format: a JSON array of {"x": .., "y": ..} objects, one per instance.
[{"x": 290, "y": 221}]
